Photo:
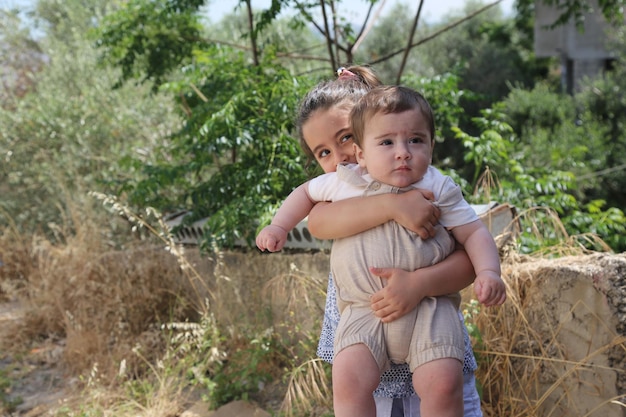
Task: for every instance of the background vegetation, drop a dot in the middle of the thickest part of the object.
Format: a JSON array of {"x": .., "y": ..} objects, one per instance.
[{"x": 157, "y": 106}]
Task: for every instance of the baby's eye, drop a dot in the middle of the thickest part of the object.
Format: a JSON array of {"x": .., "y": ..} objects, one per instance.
[
  {"x": 386, "y": 142},
  {"x": 416, "y": 140},
  {"x": 344, "y": 139}
]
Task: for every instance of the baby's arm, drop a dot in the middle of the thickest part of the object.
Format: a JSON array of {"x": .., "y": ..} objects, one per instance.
[
  {"x": 413, "y": 210},
  {"x": 483, "y": 252},
  {"x": 296, "y": 207}
]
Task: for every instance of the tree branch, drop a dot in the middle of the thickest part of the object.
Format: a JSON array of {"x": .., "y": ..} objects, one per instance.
[
  {"x": 329, "y": 40},
  {"x": 367, "y": 27},
  {"x": 437, "y": 33},
  {"x": 253, "y": 35},
  {"x": 408, "y": 46},
  {"x": 292, "y": 55}
]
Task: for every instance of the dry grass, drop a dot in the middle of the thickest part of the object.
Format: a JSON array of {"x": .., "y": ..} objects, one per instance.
[
  {"x": 105, "y": 307},
  {"x": 132, "y": 319},
  {"x": 524, "y": 367},
  {"x": 308, "y": 389},
  {"x": 298, "y": 297},
  {"x": 97, "y": 299}
]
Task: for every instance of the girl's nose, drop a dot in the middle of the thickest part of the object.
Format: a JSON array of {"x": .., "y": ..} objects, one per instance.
[{"x": 341, "y": 157}]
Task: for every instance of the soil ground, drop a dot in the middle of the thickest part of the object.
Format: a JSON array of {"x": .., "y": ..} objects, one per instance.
[{"x": 31, "y": 381}]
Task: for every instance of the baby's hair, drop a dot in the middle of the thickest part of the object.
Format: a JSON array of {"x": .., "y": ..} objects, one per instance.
[
  {"x": 342, "y": 92},
  {"x": 388, "y": 99}
]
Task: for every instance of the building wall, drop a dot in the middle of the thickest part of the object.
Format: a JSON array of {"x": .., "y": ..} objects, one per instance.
[{"x": 582, "y": 52}]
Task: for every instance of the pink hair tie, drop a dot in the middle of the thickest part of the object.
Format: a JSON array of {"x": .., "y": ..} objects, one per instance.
[{"x": 343, "y": 72}]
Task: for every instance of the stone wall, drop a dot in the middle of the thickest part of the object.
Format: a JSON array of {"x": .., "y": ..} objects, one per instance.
[{"x": 575, "y": 309}]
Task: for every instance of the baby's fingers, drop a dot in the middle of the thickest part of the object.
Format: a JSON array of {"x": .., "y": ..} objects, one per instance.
[{"x": 493, "y": 297}]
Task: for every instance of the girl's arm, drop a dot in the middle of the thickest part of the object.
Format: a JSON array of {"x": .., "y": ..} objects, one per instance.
[
  {"x": 404, "y": 290},
  {"x": 412, "y": 209}
]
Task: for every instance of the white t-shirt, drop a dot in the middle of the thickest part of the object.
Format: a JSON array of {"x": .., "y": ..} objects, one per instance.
[{"x": 350, "y": 180}]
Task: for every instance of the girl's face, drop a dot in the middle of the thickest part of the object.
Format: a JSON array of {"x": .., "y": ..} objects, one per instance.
[
  {"x": 327, "y": 133},
  {"x": 396, "y": 148}
]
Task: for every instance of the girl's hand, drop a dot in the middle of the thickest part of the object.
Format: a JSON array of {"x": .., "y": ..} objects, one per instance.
[
  {"x": 415, "y": 211},
  {"x": 398, "y": 297}
]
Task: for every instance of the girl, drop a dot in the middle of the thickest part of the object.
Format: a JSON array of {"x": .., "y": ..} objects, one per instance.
[{"x": 325, "y": 135}]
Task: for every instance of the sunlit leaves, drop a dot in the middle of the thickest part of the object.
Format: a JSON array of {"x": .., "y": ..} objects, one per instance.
[
  {"x": 235, "y": 154},
  {"x": 147, "y": 39}
]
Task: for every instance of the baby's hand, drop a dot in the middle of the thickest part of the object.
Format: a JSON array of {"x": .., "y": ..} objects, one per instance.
[
  {"x": 271, "y": 238},
  {"x": 489, "y": 289}
]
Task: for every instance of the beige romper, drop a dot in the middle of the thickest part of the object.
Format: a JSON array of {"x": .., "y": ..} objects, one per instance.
[{"x": 430, "y": 331}]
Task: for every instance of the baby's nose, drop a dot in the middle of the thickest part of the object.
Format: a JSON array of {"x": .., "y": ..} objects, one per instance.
[{"x": 403, "y": 152}]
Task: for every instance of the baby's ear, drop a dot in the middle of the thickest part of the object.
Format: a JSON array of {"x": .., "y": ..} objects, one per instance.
[{"x": 358, "y": 153}]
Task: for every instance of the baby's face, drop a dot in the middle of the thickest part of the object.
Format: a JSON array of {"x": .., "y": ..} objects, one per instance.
[
  {"x": 329, "y": 136},
  {"x": 396, "y": 148}
]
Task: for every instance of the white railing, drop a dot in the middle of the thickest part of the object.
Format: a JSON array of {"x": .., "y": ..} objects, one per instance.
[{"x": 499, "y": 218}]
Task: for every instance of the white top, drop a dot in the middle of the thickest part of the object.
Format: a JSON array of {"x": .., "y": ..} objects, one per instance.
[{"x": 350, "y": 180}]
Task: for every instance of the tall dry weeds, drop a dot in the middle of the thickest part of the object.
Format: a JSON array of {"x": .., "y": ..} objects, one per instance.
[
  {"x": 295, "y": 300},
  {"x": 133, "y": 307},
  {"x": 526, "y": 372},
  {"x": 522, "y": 372},
  {"x": 118, "y": 310},
  {"x": 102, "y": 301}
]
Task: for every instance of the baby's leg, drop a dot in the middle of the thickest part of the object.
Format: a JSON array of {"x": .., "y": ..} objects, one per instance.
[
  {"x": 439, "y": 384},
  {"x": 355, "y": 377}
]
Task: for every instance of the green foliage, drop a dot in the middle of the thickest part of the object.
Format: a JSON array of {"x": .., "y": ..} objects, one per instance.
[
  {"x": 529, "y": 187},
  {"x": 65, "y": 137},
  {"x": 389, "y": 34},
  {"x": 248, "y": 368},
  {"x": 540, "y": 108},
  {"x": 229, "y": 162},
  {"x": 63, "y": 20},
  {"x": 488, "y": 54},
  {"x": 7, "y": 404},
  {"x": 550, "y": 121},
  {"x": 596, "y": 218},
  {"x": 601, "y": 102},
  {"x": 470, "y": 312},
  {"x": 19, "y": 56},
  {"x": 235, "y": 158},
  {"x": 147, "y": 39},
  {"x": 236, "y": 367},
  {"x": 581, "y": 136},
  {"x": 490, "y": 148},
  {"x": 493, "y": 58},
  {"x": 443, "y": 94},
  {"x": 575, "y": 10},
  {"x": 286, "y": 38}
]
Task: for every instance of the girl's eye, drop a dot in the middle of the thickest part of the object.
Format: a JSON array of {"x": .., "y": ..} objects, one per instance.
[
  {"x": 416, "y": 140},
  {"x": 345, "y": 139},
  {"x": 323, "y": 153},
  {"x": 386, "y": 142}
]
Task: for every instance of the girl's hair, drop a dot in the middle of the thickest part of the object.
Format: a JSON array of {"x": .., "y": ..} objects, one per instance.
[
  {"x": 388, "y": 99},
  {"x": 352, "y": 83}
]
